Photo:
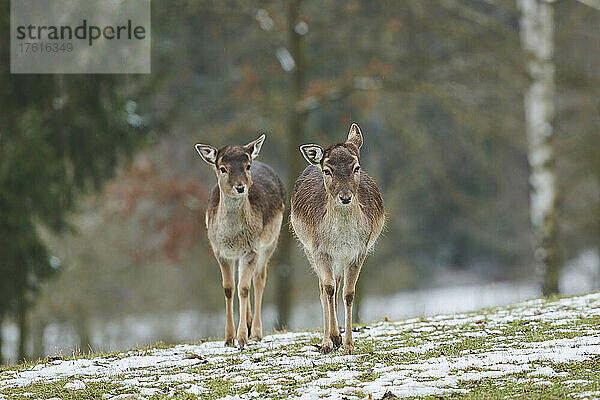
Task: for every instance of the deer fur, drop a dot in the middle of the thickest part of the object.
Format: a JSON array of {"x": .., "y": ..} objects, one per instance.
[
  {"x": 243, "y": 221},
  {"x": 337, "y": 214}
]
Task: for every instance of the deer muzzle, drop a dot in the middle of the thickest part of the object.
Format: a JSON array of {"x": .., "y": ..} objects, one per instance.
[{"x": 345, "y": 198}]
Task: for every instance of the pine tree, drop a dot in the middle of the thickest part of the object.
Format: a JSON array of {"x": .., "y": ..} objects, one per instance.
[{"x": 60, "y": 136}]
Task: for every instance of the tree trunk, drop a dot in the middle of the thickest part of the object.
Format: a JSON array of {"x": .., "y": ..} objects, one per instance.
[
  {"x": 537, "y": 26},
  {"x": 22, "y": 325},
  {"x": 82, "y": 328},
  {"x": 37, "y": 334},
  {"x": 1, "y": 338},
  {"x": 296, "y": 125}
]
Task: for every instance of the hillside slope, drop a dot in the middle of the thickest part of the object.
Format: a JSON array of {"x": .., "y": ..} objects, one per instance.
[{"x": 536, "y": 349}]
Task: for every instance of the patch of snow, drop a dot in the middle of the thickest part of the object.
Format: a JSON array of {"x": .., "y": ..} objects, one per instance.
[
  {"x": 575, "y": 382},
  {"x": 125, "y": 396},
  {"x": 196, "y": 389},
  {"x": 589, "y": 394},
  {"x": 75, "y": 385},
  {"x": 181, "y": 377},
  {"x": 542, "y": 371}
]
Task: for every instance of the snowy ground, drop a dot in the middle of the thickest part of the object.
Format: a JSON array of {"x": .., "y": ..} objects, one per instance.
[
  {"x": 191, "y": 325},
  {"x": 536, "y": 349}
]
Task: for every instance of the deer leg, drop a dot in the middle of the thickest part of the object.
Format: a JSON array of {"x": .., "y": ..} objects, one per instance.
[
  {"x": 259, "y": 281},
  {"x": 327, "y": 284},
  {"x": 327, "y": 344},
  {"x": 335, "y": 329},
  {"x": 246, "y": 271},
  {"x": 249, "y": 313},
  {"x": 228, "y": 288},
  {"x": 350, "y": 277},
  {"x": 259, "y": 285}
]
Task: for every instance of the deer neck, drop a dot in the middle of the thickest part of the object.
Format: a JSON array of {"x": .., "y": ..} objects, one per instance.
[
  {"x": 334, "y": 209},
  {"x": 232, "y": 208}
]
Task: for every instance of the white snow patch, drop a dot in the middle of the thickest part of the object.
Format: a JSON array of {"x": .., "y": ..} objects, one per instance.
[
  {"x": 75, "y": 385},
  {"x": 589, "y": 394},
  {"x": 542, "y": 371}
]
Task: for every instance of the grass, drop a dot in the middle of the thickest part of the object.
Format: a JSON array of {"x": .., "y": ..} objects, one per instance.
[{"x": 495, "y": 353}]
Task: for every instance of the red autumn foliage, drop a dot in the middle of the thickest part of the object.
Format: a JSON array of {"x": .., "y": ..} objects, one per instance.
[{"x": 172, "y": 208}]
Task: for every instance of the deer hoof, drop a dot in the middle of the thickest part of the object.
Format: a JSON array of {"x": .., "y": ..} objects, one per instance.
[
  {"x": 337, "y": 340},
  {"x": 229, "y": 342},
  {"x": 257, "y": 335},
  {"x": 348, "y": 349},
  {"x": 327, "y": 346},
  {"x": 242, "y": 341}
]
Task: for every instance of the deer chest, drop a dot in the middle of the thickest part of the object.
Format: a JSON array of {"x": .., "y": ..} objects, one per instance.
[
  {"x": 232, "y": 239},
  {"x": 344, "y": 235}
]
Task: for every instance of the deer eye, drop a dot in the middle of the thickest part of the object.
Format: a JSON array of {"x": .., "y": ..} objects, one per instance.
[
  {"x": 356, "y": 169},
  {"x": 223, "y": 170},
  {"x": 327, "y": 172},
  {"x": 248, "y": 167}
]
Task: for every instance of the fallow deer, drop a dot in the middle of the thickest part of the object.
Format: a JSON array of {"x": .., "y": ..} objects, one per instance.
[
  {"x": 243, "y": 221},
  {"x": 337, "y": 214}
]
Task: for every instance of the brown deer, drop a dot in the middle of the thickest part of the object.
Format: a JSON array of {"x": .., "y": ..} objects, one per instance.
[
  {"x": 337, "y": 214},
  {"x": 243, "y": 220}
]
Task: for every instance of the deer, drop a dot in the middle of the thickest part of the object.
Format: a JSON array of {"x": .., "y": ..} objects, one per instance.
[
  {"x": 243, "y": 221},
  {"x": 337, "y": 215}
]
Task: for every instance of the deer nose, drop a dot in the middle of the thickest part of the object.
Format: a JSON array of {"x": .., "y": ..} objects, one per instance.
[
  {"x": 240, "y": 188},
  {"x": 346, "y": 199}
]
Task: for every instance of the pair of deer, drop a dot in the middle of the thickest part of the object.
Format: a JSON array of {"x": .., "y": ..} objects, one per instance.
[{"x": 336, "y": 213}]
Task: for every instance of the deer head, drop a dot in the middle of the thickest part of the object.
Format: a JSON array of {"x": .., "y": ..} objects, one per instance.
[
  {"x": 232, "y": 165},
  {"x": 339, "y": 165}
]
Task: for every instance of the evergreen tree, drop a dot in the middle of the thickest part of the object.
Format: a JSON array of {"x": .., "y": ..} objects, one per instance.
[{"x": 60, "y": 136}]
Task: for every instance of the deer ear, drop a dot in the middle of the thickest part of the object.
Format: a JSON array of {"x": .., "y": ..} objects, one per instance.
[
  {"x": 208, "y": 153},
  {"x": 355, "y": 136},
  {"x": 312, "y": 152},
  {"x": 254, "y": 146}
]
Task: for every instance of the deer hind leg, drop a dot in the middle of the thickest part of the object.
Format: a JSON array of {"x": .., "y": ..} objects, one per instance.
[
  {"x": 335, "y": 329},
  {"x": 350, "y": 277},
  {"x": 228, "y": 289},
  {"x": 246, "y": 271}
]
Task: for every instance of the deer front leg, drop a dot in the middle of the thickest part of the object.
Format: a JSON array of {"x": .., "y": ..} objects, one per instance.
[
  {"x": 248, "y": 313},
  {"x": 228, "y": 288},
  {"x": 327, "y": 287},
  {"x": 259, "y": 281},
  {"x": 350, "y": 277},
  {"x": 327, "y": 344},
  {"x": 246, "y": 271},
  {"x": 259, "y": 286},
  {"x": 335, "y": 329}
]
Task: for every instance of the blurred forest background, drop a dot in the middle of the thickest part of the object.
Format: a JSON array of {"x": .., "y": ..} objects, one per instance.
[{"x": 102, "y": 195}]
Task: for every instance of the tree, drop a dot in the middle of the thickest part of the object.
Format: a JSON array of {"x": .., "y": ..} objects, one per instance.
[
  {"x": 295, "y": 133},
  {"x": 60, "y": 136},
  {"x": 537, "y": 28}
]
